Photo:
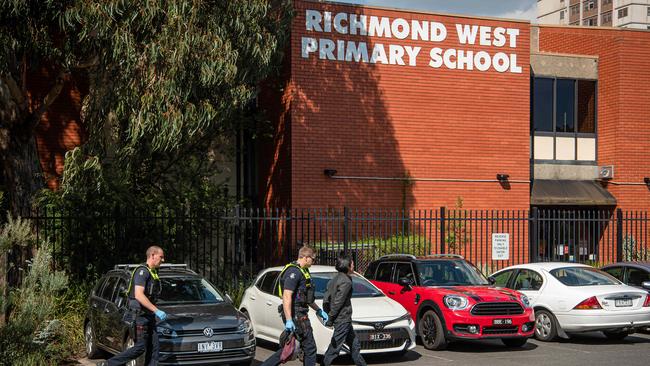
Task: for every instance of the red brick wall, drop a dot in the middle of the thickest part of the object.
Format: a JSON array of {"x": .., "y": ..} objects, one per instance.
[
  {"x": 376, "y": 120},
  {"x": 60, "y": 128},
  {"x": 623, "y": 102}
]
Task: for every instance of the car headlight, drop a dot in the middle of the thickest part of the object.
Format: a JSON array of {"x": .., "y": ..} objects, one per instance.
[
  {"x": 456, "y": 302},
  {"x": 526, "y": 301},
  {"x": 166, "y": 332},
  {"x": 245, "y": 326}
]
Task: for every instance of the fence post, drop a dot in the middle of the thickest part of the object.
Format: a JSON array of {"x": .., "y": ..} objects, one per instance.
[
  {"x": 533, "y": 249},
  {"x": 287, "y": 228},
  {"x": 443, "y": 234},
  {"x": 346, "y": 229},
  {"x": 619, "y": 235}
]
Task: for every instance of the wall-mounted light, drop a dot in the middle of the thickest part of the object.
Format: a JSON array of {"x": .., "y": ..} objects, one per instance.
[
  {"x": 646, "y": 180},
  {"x": 501, "y": 177},
  {"x": 329, "y": 172}
]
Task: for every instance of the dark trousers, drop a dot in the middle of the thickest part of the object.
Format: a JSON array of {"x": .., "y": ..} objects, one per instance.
[
  {"x": 146, "y": 341},
  {"x": 305, "y": 335},
  {"x": 344, "y": 333}
]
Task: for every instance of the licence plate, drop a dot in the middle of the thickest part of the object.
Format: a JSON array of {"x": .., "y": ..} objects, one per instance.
[
  {"x": 502, "y": 321},
  {"x": 380, "y": 336},
  {"x": 210, "y": 347},
  {"x": 623, "y": 302}
]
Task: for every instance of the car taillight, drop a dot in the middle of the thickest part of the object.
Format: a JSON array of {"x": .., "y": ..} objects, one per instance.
[
  {"x": 589, "y": 304},
  {"x": 646, "y": 304}
]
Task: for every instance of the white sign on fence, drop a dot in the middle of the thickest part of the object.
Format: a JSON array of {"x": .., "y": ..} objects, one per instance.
[{"x": 501, "y": 246}]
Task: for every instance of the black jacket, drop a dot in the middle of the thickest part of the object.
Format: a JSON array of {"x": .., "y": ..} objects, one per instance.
[{"x": 338, "y": 295}]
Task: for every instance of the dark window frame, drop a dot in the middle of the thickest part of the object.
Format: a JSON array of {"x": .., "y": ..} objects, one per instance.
[
  {"x": 622, "y": 13},
  {"x": 392, "y": 271},
  {"x": 574, "y": 134},
  {"x": 112, "y": 282},
  {"x": 413, "y": 273}
]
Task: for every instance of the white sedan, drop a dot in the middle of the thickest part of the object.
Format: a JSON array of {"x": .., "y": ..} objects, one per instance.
[
  {"x": 381, "y": 323},
  {"x": 574, "y": 298}
]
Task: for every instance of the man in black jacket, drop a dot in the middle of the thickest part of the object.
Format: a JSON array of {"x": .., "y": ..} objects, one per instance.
[{"x": 338, "y": 298}]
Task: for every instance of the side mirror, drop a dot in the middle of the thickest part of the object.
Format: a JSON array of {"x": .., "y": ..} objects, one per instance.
[
  {"x": 646, "y": 285},
  {"x": 492, "y": 280},
  {"x": 405, "y": 282}
]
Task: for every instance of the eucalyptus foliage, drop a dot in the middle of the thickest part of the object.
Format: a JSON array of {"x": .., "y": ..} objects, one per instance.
[{"x": 169, "y": 84}]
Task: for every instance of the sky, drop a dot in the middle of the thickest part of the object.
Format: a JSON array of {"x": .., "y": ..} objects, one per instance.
[{"x": 511, "y": 9}]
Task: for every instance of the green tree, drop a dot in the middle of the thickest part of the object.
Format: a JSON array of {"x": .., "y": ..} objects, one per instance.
[{"x": 169, "y": 83}]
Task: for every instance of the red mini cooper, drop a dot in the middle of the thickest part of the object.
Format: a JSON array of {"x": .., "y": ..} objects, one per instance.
[{"x": 450, "y": 299}]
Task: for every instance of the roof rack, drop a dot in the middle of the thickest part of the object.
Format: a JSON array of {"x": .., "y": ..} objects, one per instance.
[
  {"x": 411, "y": 256},
  {"x": 445, "y": 255},
  {"x": 164, "y": 265}
]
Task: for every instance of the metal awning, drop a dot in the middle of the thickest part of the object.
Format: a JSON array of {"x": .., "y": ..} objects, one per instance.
[{"x": 570, "y": 193}]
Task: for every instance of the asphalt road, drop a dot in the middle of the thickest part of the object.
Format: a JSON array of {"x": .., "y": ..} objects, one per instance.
[{"x": 591, "y": 349}]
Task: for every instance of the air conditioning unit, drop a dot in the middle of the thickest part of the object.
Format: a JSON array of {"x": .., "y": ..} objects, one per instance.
[{"x": 606, "y": 172}]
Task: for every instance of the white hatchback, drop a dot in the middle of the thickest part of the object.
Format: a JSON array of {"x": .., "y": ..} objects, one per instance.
[
  {"x": 574, "y": 298},
  {"x": 382, "y": 324}
]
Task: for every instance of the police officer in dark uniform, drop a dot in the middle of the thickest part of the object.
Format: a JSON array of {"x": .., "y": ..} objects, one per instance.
[
  {"x": 297, "y": 294},
  {"x": 143, "y": 292}
]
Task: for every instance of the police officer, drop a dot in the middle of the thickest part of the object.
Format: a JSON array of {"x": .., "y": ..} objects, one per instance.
[
  {"x": 338, "y": 304},
  {"x": 143, "y": 292},
  {"x": 297, "y": 292}
]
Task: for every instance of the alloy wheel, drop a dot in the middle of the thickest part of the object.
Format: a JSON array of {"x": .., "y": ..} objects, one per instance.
[{"x": 543, "y": 325}]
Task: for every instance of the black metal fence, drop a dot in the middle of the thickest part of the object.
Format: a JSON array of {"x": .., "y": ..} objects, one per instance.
[{"x": 228, "y": 247}]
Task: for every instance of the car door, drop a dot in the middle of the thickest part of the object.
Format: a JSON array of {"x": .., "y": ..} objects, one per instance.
[
  {"x": 103, "y": 329},
  {"x": 271, "y": 303},
  {"x": 409, "y": 298},
  {"x": 113, "y": 313},
  {"x": 96, "y": 305},
  {"x": 529, "y": 283},
  {"x": 262, "y": 297}
]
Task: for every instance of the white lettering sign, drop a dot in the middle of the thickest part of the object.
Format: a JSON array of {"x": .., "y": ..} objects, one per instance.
[
  {"x": 500, "y": 246},
  {"x": 397, "y": 29}
]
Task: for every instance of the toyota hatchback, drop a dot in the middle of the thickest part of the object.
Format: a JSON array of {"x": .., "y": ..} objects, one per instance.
[
  {"x": 450, "y": 299},
  {"x": 202, "y": 328}
]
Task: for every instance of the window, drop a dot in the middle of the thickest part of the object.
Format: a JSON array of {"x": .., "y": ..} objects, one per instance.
[
  {"x": 501, "y": 280},
  {"x": 622, "y": 13},
  {"x": 107, "y": 291},
  {"x": 575, "y": 10},
  {"x": 543, "y": 104},
  {"x": 636, "y": 277},
  {"x": 188, "y": 290},
  {"x": 528, "y": 280},
  {"x": 450, "y": 273},
  {"x": 617, "y": 272},
  {"x": 360, "y": 286},
  {"x": 607, "y": 2},
  {"x": 574, "y": 103},
  {"x": 565, "y": 105},
  {"x": 562, "y": 15},
  {"x": 267, "y": 284},
  {"x": 589, "y": 5},
  {"x": 384, "y": 272},
  {"x": 606, "y": 18},
  {"x": 404, "y": 270},
  {"x": 120, "y": 290},
  {"x": 583, "y": 276},
  {"x": 649, "y": 11}
]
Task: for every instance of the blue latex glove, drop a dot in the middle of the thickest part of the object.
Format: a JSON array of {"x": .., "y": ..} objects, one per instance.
[
  {"x": 161, "y": 314},
  {"x": 323, "y": 315},
  {"x": 289, "y": 326}
]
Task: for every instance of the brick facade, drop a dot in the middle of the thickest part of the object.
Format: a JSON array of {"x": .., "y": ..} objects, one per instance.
[{"x": 623, "y": 102}]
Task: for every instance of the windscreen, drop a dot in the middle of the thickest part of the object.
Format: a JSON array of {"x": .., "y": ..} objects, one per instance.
[
  {"x": 583, "y": 276},
  {"x": 188, "y": 290},
  {"x": 360, "y": 286},
  {"x": 450, "y": 273}
]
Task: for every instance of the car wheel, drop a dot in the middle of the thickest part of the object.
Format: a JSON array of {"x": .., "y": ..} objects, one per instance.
[
  {"x": 129, "y": 343},
  {"x": 545, "y": 326},
  {"x": 91, "y": 342},
  {"x": 514, "y": 342},
  {"x": 431, "y": 332},
  {"x": 616, "y": 336}
]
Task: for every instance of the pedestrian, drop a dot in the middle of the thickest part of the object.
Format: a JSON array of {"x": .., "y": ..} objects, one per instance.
[
  {"x": 338, "y": 304},
  {"x": 297, "y": 292},
  {"x": 144, "y": 289}
]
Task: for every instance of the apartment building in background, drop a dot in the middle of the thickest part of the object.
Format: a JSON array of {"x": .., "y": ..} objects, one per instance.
[{"x": 604, "y": 13}]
